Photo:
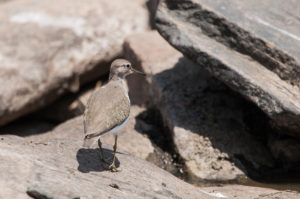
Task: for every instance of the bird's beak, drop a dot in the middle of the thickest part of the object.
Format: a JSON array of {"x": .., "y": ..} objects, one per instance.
[{"x": 137, "y": 72}]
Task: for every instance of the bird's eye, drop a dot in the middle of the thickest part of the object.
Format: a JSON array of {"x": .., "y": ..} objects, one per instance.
[{"x": 127, "y": 65}]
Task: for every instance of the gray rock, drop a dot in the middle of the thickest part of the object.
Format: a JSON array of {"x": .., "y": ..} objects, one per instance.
[
  {"x": 251, "y": 46},
  {"x": 51, "y": 47},
  {"x": 60, "y": 168},
  {"x": 204, "y": 117}
]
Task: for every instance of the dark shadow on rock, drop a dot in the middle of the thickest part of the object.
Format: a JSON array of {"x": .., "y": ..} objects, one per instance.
[
  {"x": 152, "y": 6},
  {"x": 200, "y": 103},
  {"x": 89, "y": 160},
  {"x": 27, "y": 126},
  {"x": 150, "y": 123}
]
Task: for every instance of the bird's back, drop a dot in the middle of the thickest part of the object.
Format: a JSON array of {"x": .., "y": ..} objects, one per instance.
[{"x": 108, "y": 107}]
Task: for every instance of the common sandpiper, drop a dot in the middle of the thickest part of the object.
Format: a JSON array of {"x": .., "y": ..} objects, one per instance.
[{"x": 108, "y": 108}]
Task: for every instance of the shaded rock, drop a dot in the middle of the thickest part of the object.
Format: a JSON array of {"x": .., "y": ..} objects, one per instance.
[
  {"x": 248, "y": 45},
  {"x": 204, "y": 117},
  {"x": 27, "y": 126},
  {"x": 68, "y": 106},
  {"x": 285, "y": 150},
  {"x": 60, "y": 168},
  {"x": 53, "y": 47}
]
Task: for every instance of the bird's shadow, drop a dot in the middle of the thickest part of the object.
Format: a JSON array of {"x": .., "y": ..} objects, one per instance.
[{"x": 90, "y": 160}]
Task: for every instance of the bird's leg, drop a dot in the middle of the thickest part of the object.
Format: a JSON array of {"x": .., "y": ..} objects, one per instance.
[
  {"x": 101, "y": 152},
  {"x": 113, "y": 167}
]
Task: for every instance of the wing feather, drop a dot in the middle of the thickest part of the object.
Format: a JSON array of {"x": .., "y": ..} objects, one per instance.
[{"x": 107, "y": 108}]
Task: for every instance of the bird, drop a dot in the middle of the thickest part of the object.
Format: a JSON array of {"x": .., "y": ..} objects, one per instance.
[{"x": 108, "y": 108}]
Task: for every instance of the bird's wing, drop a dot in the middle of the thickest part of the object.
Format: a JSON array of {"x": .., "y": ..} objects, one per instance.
[{"x": 107, "y": 108}]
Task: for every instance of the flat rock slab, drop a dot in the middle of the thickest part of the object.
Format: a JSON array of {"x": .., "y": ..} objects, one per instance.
[
  {"x": 60, "y": 168},
  {"x": 51, "y": 47},
  {"x": 205, "y": 118},
  {"x": 274, "y": 22},
  {"x": 238, "y": 42}
]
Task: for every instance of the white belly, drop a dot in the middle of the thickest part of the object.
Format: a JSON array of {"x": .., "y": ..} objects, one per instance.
[{"x": 117, "y": 129}]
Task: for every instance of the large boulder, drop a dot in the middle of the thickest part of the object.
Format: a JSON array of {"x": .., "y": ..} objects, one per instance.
[
  {"x": 251, "y": 46},
  {"x": 206, "y": 120},
  {"x": 51, "y": 47}
]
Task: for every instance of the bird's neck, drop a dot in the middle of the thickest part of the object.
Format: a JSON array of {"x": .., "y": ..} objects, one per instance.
[
  {"x": 120, "y": 82},
  {"x": 115, "y": 76}
]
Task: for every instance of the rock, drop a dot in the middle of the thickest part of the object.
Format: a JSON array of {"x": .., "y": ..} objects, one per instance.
[
  {"x": 285, "y": 150},
  {"x": 27, "y": 127},
  {"x": 247, "y": 192},
  {"x": 60, "y": 168},
  {"x": 162, "y": 61},
  {"x": 251, "y": 46},
  {"x": 204, "y": 117},
  {"x": 66, "y": 107},
  {"x": 53, "y": 47}
]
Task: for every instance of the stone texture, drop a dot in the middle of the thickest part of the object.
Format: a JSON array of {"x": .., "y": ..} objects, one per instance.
[
  {"x": 54, "y": 46},
  {"x": 251, "y": 46},
  {"x": 60, "y": 168},
  {"x": 275, "y": 23},
  {"x": 204, "y": 117}
]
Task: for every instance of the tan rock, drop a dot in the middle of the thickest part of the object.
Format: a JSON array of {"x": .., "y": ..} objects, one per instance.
[
  {"x": 51, "y": 47},
  {"x": 60, "y": 168},
  {"x": 203, "y": 116}
]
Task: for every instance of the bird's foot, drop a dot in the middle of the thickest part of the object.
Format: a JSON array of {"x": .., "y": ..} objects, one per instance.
[{"x": 113, "y": 168}]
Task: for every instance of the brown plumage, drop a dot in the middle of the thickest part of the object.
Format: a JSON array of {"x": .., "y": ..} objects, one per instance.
[{"x": 108, "y": 107}]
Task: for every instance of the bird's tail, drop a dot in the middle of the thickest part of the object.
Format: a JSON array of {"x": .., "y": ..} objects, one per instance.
[{"x": 88, "y": 142}]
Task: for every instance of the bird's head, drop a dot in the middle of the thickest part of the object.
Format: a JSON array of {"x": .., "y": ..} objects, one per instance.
[{"x": 120, "y": 68}]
